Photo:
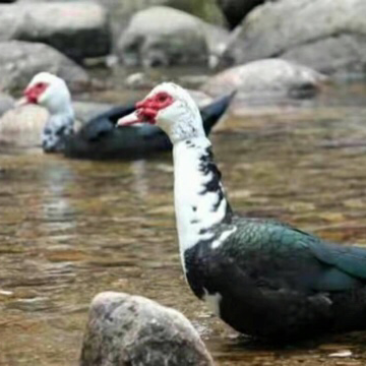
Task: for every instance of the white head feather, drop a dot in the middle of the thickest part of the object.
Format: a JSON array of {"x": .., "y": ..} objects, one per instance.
[
  {"x": 181, "y": 120},
  {"x": 56, "y": 97}
]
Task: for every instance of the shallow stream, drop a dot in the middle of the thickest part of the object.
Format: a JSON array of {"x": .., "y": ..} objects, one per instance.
[{"x": 70, "y": 229}]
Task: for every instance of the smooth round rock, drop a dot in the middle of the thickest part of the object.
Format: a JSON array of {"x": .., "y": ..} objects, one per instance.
[
  {"x": 127, "y": 330},
  {"x": 328, "y": 36}
]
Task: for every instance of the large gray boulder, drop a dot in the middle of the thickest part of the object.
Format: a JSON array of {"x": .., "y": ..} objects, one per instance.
[
  {"x": 165, "y": 36},
  {"x": 20, "y": 61},
  {"x": 122, "y": 11},
  {"x": 77, "y": 29},
  {"x": 126, "y": 330},
  {"x": 265, "y": 80},
  {"x": 329, "y": 36}
]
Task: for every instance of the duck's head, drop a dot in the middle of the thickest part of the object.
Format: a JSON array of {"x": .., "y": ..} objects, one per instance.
[
  {"x": 49, "y": 91},
  {"x": 170, "y": 107}
]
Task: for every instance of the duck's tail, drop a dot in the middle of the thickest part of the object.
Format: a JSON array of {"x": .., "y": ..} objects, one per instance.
[
  {"x": 212, "y": 113},
  {"x": 115, "y": 113}
]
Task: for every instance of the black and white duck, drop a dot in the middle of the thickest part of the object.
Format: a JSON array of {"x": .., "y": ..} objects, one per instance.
[
  {"x": 264, "y": 278},
  {"x": 98, "y": 138}
]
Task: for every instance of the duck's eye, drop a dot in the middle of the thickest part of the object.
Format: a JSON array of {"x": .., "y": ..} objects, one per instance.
[
  {"x": 162, "y": 97},
  {"x": 40, "y": 85}
]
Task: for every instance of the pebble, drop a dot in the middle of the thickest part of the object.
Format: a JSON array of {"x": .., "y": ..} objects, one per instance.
[{"x": 341, "y": 354}]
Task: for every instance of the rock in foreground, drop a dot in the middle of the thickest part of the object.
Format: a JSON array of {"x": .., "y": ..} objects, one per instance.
[
  {"x": 20, "y": 61},
  {"x": 266, "y": 79},
  {"x": 77, "y": 29},
  {"x": 126, "y": 330},
  {"x": 329, "y": 36},
  {"x": 6, "y": 103},
  {"x": 162, "y": 36}
]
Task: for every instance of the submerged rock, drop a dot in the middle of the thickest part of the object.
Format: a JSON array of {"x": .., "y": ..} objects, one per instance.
[
  {"x": 125, "y": 330},
  {"x": 6, "y": 103},
  {"x": 161, "y": 36},
  {"x": 77, "y": 29},
  {"x": 20, "y": 61},
  {"x": 329, "y": 36},
  {"x": 22, "y": 127},
  {"x": 266, "y": 79}
]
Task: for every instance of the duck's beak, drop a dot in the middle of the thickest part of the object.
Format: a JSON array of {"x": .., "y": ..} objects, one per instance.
[{"x": 129, "y": 120}]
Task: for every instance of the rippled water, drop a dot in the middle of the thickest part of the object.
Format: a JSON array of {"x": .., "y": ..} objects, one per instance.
[{"x": 70, "y": 229}]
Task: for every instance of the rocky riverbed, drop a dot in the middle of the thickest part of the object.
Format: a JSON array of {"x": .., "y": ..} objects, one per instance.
[{"x": 72, "y": 38}]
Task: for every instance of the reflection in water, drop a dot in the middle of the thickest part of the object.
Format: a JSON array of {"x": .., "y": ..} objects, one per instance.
[
  {"x": 55, "y": 205},
  {"x": 141, "y": 186},
  {"x": 70, "y": 229}
]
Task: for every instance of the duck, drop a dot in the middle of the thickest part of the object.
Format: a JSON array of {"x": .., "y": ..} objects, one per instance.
[
  {"x": 264, "y": 278},
  {"x": 98, "y": 138}
]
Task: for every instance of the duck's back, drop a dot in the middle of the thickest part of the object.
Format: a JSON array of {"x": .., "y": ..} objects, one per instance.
[{"x": 278, "y": 282}]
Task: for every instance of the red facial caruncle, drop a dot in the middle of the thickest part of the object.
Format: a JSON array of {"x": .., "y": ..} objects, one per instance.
[
  {"x": 32, "y": 93},
  {"x": 149, "y": 108}
]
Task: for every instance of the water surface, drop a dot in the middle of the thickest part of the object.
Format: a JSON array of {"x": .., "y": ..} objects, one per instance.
[{"x": 70, "y": 229}]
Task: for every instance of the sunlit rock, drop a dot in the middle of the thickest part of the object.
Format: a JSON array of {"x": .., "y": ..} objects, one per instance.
[
  {"x": 131, "y": 330},
  {"x": 25, "y": 124},
  {"x": 266, "y": 80},
  {"x": 120, "y": 12},
  {"x": 329, "y": 36},
  {"x": 162, "y": 36},
  {"x": 20, "y": 61},
  {"x": 6, "y": 103}
]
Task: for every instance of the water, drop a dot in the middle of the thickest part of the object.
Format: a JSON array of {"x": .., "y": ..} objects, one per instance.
[{"x": 70, "y": 229}]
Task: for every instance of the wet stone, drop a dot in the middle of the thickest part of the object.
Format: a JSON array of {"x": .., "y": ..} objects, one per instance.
[{"x": 131, "y": 330}]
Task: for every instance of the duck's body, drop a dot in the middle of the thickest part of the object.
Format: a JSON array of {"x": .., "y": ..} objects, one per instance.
[
  {"x": 262, "y": 277},
  {"x": 98, "y": 138}
]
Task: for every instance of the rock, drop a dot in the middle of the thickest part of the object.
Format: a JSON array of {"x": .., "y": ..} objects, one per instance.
[
  {"x": 6, "y": 103},
  {"x": 266, "y": 79},
  {"x": 341, "y": 354},
  {"x": 236, "y": 10},
  {"x": 329, "y": 36},
  {"x": 138, "y": 80},
  {"x": 77, "y": 29},
  {"x": 166, "y": 36},
  {"x": 122, "y": 11},
  {"x": 204, "y": 9},
  {"x": 22, "y": 127},
  {"x": 126, "y": 330},
  {"x": 20, "y": 61},
  {"x": 217, "y": 40},
  {"x": 200, "y": 97}
]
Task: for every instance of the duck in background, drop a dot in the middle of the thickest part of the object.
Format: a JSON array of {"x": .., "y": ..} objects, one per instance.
[
  {"x": 265, "y": 278},
  {"x": 98, "y": 138}
]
